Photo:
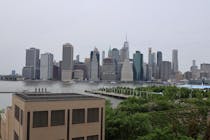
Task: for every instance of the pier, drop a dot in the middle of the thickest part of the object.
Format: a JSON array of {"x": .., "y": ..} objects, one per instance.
[{"x": 109, "y": 94}]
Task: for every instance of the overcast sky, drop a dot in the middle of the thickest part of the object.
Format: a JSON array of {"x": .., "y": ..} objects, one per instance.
[{"x": 47, "y": 24}]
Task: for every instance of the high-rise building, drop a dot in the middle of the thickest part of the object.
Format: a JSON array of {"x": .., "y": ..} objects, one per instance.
[
  {"x": 195, "y": 71},
  {"x": 77, "y": 58},
  {"x": 124, "y": 52},
  {"x": 109, "y": 70},
  {"x": 67, "y": 64},
  {"x": 138, "y": 66},
  {"x": 87, "y": 63},
  {"x": 103, "y": 56},
  {"x": 110, "y": 52},
  {"x": 116, "y": 54},
  {"x": 165, "y": 70},
  {"x": 54, "y": 116},
  {"x": 46, "y": 66},
  {"x": 150, "y": 56},
  {"x": 94, "y": 65},
  {"x": 159, "y": 61},
  {"x": 32, "y": 60},
  {"x": 116, "y": 57},
  {"x": 175, "y": 64},
  {"x": 28, "y": 73},
  {"x": 159, "y": 58},
  {"x": 127, "y": 71},
  {"x": 81, "y": 69}
]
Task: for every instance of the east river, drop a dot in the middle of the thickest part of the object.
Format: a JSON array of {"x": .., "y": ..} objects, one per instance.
[{"x": 52, "y": 86}]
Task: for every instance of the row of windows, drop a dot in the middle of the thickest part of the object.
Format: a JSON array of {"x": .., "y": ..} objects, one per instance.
[
  {"x": 95, "y": 137},
  {"x": 18, "y": 114},
  {"x": 40, "y": 118}
]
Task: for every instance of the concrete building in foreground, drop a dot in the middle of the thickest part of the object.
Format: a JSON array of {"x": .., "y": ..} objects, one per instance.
[{"x": 53, "y": 116}]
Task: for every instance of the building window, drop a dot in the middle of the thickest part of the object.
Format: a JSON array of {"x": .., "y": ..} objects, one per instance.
[
  {"x": 92, "y": 137},
  {"x": 93, "y": 115},
  {"x": 57, "y": 117},
  {"x": 16, "y": 137},
  {"x": 17, "y": 113},
  {"x": 21, "y": 117},
  {"x": 40, "y": 119},
  {"x": 80, "y": 138},
  {"x": 78, "y": 116}
]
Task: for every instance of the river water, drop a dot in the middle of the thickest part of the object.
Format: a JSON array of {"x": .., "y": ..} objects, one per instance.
[{"x": 52, "y": 86}]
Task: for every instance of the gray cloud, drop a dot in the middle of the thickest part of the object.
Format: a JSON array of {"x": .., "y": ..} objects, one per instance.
[{"x": 160, "y": 24}]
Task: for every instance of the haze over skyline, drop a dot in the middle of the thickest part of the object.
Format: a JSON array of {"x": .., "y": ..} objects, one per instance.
[{"x": 161, "y": 24}]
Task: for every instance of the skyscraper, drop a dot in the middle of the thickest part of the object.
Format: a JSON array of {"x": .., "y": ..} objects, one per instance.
[
  {"x": 116, "y": 57},
  {"x": 67, "y": 64},
  {"x": 46, "y": 66},
  {"x": 103, "y": 55},
  {"x": 94, "y": 65},
  {"x": 124, "y": 52},
  {"x": 175, "y": 65},
  {"x": 150, "y": 56},
  {"x": 165, "y": 70},
  {"x": 137, "y": 66},
  {"x": 159, "y": 61},
  {"x": 77, "y": 58},
  {"x": 159, "y": 58},
  {"x": 109, "y": 70},
  {"x": 127, "y": 71},
  {"x": 32, "y": 63},
  {"x": 110, "y": 52}
]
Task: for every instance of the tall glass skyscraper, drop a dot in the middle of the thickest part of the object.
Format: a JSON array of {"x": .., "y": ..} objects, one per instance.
[
  {"x": 94, "y": 65},
  {"x": 67, "y": 64},
  {"x": 138, "y": 66},
  {"x": 32, "y": 61},
  {"x": 175, "y": 65}
]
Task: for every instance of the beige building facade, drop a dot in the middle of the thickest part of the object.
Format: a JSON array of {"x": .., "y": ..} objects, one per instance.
[{"x": 52, "y": 116}]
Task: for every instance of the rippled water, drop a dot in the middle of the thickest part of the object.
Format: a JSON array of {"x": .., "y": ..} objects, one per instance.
[{"x": 52, "y": 86}]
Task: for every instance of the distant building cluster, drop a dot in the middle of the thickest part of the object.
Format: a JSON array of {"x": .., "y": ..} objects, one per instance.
[
  {"x": 117, "y": 66},
  {"x": 196, "y": 73}
]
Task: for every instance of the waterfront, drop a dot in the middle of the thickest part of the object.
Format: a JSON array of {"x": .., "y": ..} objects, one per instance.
[{"x": 54, "y": 87}]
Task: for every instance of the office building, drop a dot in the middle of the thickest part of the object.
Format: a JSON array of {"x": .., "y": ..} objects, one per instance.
[
  {"x": 150, "y": 56},
  {"x": 116, "y": 57},
  {"x": 32, "y": 60},
  {"x": 28, "y": 73},
  {"x": 94, "y": 65},
  {"x": 110, "y": 52},
  {"x": 124, "y": 52},
  {"x": 175, "y": 64},
  {"x": 205, "y": 71},
  {"x": 87, "y": 64},
  {"x": 82, "y": 66},
  {"x": 54, "y": 116},
  {"x": 165, "y": 70},
  {"x": 79, "y": 74},
  {"x": 195, "y": 71},
  {"x": 159, "y": 61},
  {"x": 103, "y": 56},
  {"x": 46, "y": 66},
  {"x": 127, "y": 71},
  {"x": 109, "y": 70},
  {"x": 78, "y": 59},
  {"x": 138, "y": 66},
  {"x": 67, "y": 62}
]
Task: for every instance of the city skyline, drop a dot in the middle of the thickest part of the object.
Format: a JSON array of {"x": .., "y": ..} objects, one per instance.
[{"x": 162, "y": 25}]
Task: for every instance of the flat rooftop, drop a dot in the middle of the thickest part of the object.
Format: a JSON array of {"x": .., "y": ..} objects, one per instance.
[{"x": 38, "y": 97}]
